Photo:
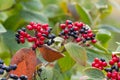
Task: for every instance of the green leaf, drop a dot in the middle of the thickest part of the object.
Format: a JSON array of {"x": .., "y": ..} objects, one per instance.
[
  {"x": 94, "y": 73},
  {"x": 103, "y": 36},
  {"x": 13, "y": 22},
  {"x": 44, "y": 73},
  {"x": 32, "y": 5},
  {"x": 57, "y": 75},
  {"x": 110, "y": 28},
  {"x": 84, "y": 16},
  {"x": 9, "y": 40},
  {"x": 5, "y": 4},
  {"x": 3, "y": 16},
  {"x": 118, "y": 48},
  {"x": 51, "y": 10},
  {"x": 2, "y": 29},
  {"x": 77, "y": 53},
  {"x": 33, "y": 16},
  {"x": 66, "y": 61},
  {"x": 93, "y": 53}
]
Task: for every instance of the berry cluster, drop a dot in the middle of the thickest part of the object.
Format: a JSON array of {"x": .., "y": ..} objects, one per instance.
[
  {"x": 78, "y": 31},
  {"x": 99, "y": 63},
  {"x": 15, "y": 77},
  {"x": 42, "y": 35},
  {"x": 4, "y": 68},
  {"x": 111, "y": 69}
]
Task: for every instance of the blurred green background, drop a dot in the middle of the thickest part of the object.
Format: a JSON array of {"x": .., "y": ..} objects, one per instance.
[{"x": 101, "y": 15}]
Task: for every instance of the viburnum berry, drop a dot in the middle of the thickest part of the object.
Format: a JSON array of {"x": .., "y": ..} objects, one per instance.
[
  {"x": 42, "y": 33},
  {"x": 77, "y": 31},
  {"x": 111, "y": 69}
]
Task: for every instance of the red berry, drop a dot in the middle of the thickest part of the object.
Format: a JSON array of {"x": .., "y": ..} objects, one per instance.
[
  {"x": 80, "y": 25},
  {"x": 34, "y": 46},
  {"x": 65, "y": 31},
  {"x": 89, "y": 31},
  {"x": 100, "y": 63},
  {"x": 76, "y": 23},
  {"x": 115, "y": 59},
  {"x": 78, "y": 39},
  {"x": 93, "y": 64},
  {"x": 104, "y": 64},
  {"x": 113, "y": 55},
  {"x": 118, "y": 64},
  {"x": 22, "y": 33},
  {"x": 111, "y": 62},
  {"x": 29, "y": 27},
  {"x": 35, "y": 26},
  {"x": 39, "y": 34},
  {"x": 67, "y": 22},
  {"x": 70, "y": 26},
  {"x": 76, "y": 28},
  {"x": 109, "y": 74},
  {"x": 41, "y": 42},
  {"x": 114, "y": 75},
  {"x": 28, "y": 36},
  {"x": 32, "y": 23},
  {"x": 90, "y": 34},
  {"x": 39, "y": 24},
  {"x": 118, "y": 77},
  {"x": 30, "y": 39},
  {"x": 42, "y": 38},
  {"x": 84, "y": 35},
  {"x": 93, "y": 41},
  {"x": 46, "y": 32},
  {"x": 45, "y": 26},
  {"x": 101, "y": 68},
  {"x": 96, "y": 60},
  {"x": 97, "y": 65},
  {"x": 22, "y": 40},
  {"x": 62, "y": 26},
  {"x": 34, "y": 39}
]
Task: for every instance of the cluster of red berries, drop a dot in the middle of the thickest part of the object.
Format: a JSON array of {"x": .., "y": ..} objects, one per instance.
[
  {"x": 112, "y": 69},
  {"x": 42, "y": 35},
  {"x": 78, "y": 31},
  {"x": 99, "y": 63}
]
